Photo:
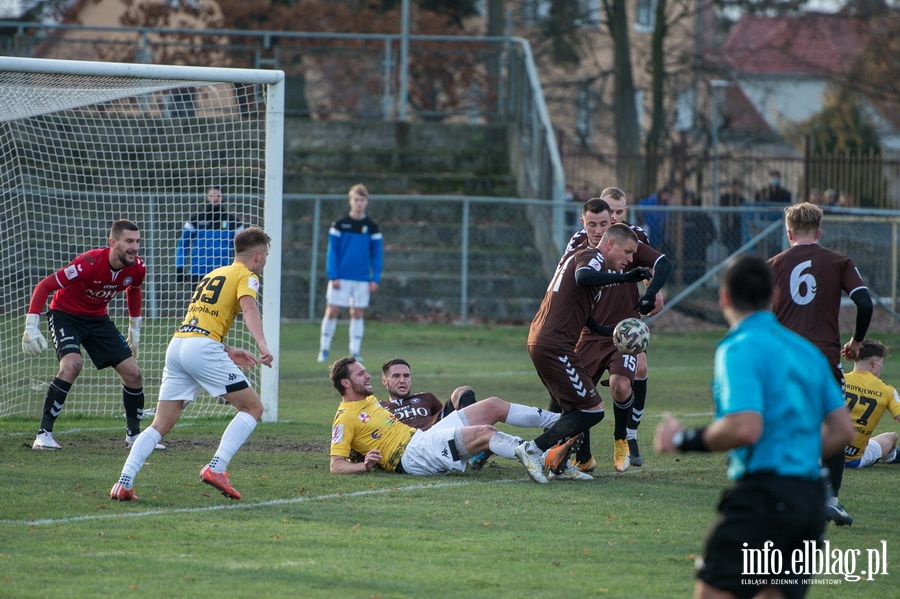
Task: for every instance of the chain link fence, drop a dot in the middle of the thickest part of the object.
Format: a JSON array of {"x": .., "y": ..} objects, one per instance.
[{"x": 476, "y": 259}]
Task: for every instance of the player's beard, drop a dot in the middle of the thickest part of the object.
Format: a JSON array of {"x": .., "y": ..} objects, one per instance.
[
  {"x": 362, "y": 389},
  {"x": 126, "y": 258}
]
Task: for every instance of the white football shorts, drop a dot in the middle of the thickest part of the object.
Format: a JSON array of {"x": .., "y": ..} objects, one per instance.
[
  {"x": 435, "y": 451},
  {"x": 351, "y": 294},
  {"x": 871, "y": 455},
  {"x": 195, "y": 364}
]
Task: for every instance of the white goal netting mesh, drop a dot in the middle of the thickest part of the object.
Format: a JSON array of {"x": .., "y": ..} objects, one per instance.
[{"x": 78, "y": 152}]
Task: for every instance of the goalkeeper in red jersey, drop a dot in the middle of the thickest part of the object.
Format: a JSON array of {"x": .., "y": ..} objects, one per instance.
[{"x": 78, "y": 317}]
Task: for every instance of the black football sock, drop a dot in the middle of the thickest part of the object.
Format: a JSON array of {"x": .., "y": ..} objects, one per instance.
[
  {"x": 554, "y": 406},
  {"x": 622, "y": 415},
  {"x": 639, "y": 387},
  {"x": 53, "y": 402},
  {"x": 583, "y": 454},
  {"x": 835, "y": 465},
  {"x": 133, "y": 400},
  {"x": 568, "y": 425},
  {"x": 466, "y": 399}
]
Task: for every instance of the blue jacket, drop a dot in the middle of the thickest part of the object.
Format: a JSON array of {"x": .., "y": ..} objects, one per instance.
[
  {"x": 207, "y": 241},
  {"x": 355, "y": 251}
]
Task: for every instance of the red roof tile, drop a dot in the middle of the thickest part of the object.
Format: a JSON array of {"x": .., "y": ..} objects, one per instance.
[{"x": 807, "y": 44}]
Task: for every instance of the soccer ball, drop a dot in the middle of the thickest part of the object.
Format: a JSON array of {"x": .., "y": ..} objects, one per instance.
[{"x": 631, "y": 336}]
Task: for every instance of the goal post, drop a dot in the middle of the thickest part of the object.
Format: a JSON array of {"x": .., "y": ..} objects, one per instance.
[{"x": 85, "y": 143}]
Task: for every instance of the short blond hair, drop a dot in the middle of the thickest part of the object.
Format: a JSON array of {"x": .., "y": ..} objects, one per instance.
[
  {"x": 359, "y": 189},
  {"x": 803, "y": 218},
  {"x": 612, "y": 193}
]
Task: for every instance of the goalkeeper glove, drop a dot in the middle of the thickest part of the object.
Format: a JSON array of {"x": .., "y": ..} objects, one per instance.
[
  {"x": 646, "y": 304},
  {"x": 637, "y": 274},
  {"x": 134, "y": 334},
  {"x": 33, "y": 342}
]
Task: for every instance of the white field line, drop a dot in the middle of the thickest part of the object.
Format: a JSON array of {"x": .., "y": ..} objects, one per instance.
[
  {"x": 298, "y": 500},
  {"x": 188, "y": 423},
  {"x": 97, "y": 429}
]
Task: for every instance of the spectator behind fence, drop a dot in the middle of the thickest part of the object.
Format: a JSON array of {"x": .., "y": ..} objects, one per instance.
[
  {"x": 774, "y": 192},
  {"x": 845, "y": 200},
  {"x": 732, "y": 233},
  {"x": 655, "y": 221},
  {"x": 207, "y": 240}
]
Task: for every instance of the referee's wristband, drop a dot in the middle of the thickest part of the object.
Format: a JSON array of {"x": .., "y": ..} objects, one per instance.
[{"x": 690, "y": 439}]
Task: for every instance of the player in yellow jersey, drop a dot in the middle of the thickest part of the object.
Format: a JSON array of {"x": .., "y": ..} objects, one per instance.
[
  {"x": 867, "y": 399},
  {"x": 362, "y": 425},
  {"x": 197, "y": 359}
]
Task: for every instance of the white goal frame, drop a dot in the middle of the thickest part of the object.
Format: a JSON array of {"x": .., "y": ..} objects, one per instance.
[{"x": 24, "y": 94}]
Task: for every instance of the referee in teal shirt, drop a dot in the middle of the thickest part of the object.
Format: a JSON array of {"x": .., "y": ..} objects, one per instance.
[{"x": 773, "y": 392}]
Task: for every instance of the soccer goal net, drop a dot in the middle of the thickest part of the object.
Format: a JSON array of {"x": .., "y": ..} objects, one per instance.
[{"x": 83, "y": 144}]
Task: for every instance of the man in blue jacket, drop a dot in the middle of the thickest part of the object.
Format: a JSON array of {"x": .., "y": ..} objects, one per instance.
[
  {"x": 355, "y": 258},
  {"x": 207, "y": 240}
]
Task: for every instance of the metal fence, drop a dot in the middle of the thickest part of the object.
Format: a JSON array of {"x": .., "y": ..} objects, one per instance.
[
  {"x": 462, "y": 259},
  {"x": 868, "y": 180}
]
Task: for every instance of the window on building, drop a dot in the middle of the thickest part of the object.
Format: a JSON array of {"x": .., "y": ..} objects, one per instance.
[
  {"x": 645, "y": 15},
  {"x": 587, "y": 12}
]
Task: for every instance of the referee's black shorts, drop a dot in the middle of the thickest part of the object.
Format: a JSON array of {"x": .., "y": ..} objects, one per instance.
[
  {"x": 762, "y": 507},
  {"x": 97, "y": 334}
]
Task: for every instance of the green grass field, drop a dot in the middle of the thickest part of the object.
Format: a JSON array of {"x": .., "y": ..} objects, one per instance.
[{"x": 302, "y": 532}]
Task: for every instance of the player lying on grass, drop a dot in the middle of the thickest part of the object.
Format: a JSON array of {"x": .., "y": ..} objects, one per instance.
[
  {"x": 362, "y": 425},
  {"x": 867, "y": 399},
  {"x": 418, "y": 410},
  {"x": 423, "y": 410}
]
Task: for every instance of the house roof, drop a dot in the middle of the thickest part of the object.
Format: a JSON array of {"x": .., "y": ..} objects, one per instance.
[
  {"x": 812, "y": 43},
  {"x": 740, "y": 115}
]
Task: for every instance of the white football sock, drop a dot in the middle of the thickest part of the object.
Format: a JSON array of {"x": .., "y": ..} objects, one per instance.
[
  {"x": 528, "y": 416},
  {"x": 141, "y": 449},
  {"x": 357, "y": 327},
  {"x": 233, "y": 438},
  {"x": 504, "y": 445},
  {"x": 329, "y": 325}
]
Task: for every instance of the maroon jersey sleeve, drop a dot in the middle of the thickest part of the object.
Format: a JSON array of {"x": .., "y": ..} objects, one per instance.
[
  {"x": 641, "y": 234},
  {"x": 619, "y": 300},
  {"x": 645, "y": 256}
]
